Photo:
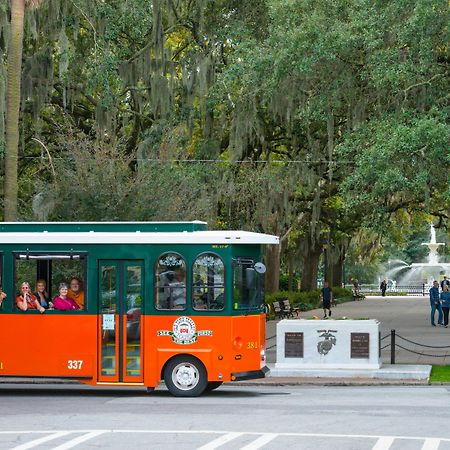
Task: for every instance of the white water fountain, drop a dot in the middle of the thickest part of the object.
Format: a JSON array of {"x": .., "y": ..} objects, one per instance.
[{"x": 422, "y": 272}]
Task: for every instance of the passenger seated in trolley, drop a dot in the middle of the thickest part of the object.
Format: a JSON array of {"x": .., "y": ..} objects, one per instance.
[
  {"x": 178, "y": 290},
  {"x": 40, "y": 292},
  {"x": 26, "y": 300},
  {"x": 2, "y": 297},
  {"x": 76, "y": 291},
  {"x": 64, "y": 303},
  {"x": 200, "y": 297}
]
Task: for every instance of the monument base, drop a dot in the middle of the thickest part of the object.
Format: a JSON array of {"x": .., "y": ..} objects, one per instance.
[
  {"x": 385, "y": 372},
  {"x": 328, "y": 344}
]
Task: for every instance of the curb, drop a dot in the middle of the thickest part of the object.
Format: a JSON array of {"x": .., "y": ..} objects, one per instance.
[
  {"x": 269, "y": 382},
  {"x": 275, "y": 381}
]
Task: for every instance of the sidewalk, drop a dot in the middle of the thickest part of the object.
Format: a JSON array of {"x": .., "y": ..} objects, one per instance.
[{"x": 307, "y": 381}]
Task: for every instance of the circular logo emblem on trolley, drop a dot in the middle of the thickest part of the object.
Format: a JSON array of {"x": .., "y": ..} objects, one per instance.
[{"x": 184, "y": 331}]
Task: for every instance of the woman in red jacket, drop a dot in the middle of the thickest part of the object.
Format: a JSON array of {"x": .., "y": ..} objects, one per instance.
[{"x": 27, "y": 300}]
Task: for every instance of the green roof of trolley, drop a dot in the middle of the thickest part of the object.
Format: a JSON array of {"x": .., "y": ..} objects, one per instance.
[{"x": 112, "y": 227}]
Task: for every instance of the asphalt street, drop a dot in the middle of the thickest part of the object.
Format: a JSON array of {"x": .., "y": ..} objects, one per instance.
[
  {"x": 249, "y": 417},
  {"x": 233, "y": 417}
]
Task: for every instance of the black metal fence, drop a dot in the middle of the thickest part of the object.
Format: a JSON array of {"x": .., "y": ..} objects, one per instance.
[
  {"x": 410, "y": 289},
  {"x": 394, "y": 345}
]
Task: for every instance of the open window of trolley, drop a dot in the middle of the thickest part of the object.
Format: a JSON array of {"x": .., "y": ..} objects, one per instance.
[
  {"x": 248, "y": 283},
  {"x": 52, "y": 268}
]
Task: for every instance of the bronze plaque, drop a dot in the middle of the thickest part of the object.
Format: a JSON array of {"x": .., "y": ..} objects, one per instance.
[
  {"x": 379, "y": 344},
  {"x": 293, "y": 345},
  {"x": 360, "y": 345}
]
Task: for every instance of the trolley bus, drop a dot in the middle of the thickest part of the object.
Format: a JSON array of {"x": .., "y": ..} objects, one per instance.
[{"x": 165, "y": 301}]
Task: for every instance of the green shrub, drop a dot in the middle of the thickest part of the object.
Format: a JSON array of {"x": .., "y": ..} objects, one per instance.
[
  {"x": 270, "y": 298},
  {"x": 341, "y": 292},
  {"x": 305, "y": 306},
  {"x": 308, "y": 300},
  {"x": 284, "y": 282}
]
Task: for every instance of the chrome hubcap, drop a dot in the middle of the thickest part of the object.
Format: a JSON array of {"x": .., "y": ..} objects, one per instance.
[{"x": 185, "y": 376}]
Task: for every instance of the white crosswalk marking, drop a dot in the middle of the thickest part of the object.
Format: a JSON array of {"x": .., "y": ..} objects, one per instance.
[
  {"x": 431, "y": 444},
  {"x": 383, "y": 443},
  {"x": 256, "y": 439},
  {"x": 79, "y": 440},
  {"x": 41, "y": 440},
  {"x": 220, "y": 441},
  {"x": 260, "y": 442}
]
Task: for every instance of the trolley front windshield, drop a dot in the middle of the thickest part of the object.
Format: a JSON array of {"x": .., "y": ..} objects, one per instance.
[{"x": 248, "y": 285}]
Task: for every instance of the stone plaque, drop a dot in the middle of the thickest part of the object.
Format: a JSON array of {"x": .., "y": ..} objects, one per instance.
[
  {"x": 293, "y": 345},
  {"x": 359, "y": 343}
]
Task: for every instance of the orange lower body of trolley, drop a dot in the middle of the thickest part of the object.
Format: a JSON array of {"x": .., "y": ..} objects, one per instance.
[{"x": 191, "y": 354}]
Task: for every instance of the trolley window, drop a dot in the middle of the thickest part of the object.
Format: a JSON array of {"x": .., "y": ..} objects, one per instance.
[
  {"x": 208, "y": 282},
  {"x": 50, "y": 270},
  {"x": 247, "y": 285},
  {"x": 2, "y": 295},
  {"x": 170, "y": 282}
]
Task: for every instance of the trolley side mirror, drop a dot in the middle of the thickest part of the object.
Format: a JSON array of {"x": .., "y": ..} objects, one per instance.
[{"x": 260, "y": 268}]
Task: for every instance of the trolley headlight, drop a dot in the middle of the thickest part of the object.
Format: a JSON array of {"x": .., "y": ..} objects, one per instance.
[{"x": 263, "y": 354}]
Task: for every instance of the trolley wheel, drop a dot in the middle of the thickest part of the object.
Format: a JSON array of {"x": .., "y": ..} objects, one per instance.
[
  {"x": 185, "y": 376},
  {"x": 213, "y": 385}
]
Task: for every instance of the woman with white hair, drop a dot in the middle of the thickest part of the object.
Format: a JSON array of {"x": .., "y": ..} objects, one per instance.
[{"x": 64, "y": 303}]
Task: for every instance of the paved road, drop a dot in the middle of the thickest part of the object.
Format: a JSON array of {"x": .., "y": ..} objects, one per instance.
[
  {"x": 409, "y": 316},
  {"x": 233, "y": 417}
]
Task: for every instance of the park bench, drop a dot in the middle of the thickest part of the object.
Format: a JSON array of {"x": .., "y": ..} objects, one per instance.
[
  {"x": 290, "y": 310},
  {"x": 278, "y": 310},
  {"x": 283, "y": 309}
]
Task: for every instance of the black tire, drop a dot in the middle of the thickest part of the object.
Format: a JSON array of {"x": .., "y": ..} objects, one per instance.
[
  {"x": 185, "y": 376},
  {"x": 213, "y": 385}
]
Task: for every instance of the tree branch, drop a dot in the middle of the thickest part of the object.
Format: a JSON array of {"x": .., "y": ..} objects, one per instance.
[{"x": 49, "y": 157}]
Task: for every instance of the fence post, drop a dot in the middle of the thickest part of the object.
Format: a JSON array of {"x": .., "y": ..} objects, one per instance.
[
  {"x": 392, "y": 346},
  {"x": 423, "y": 289}
]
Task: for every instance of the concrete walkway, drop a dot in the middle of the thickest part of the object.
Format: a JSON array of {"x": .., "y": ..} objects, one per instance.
[{"x": 408, "y": 316}]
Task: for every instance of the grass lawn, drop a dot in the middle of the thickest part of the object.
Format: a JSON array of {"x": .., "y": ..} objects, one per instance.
[{"x": 440, "y": 374}]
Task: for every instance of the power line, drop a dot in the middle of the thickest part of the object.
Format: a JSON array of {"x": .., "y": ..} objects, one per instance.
[{"x": 210, "y": 161}]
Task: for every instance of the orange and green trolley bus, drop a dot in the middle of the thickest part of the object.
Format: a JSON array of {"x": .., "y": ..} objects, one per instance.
[{"x": 156, "y": 301}]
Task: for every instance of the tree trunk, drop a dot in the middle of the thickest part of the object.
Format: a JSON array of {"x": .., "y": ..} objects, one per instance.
[
  {"x": 311, "y": 259},
  {"x": 335, "y": 272},
  {"x": 290, "y": 274},
  {"x": 273, "y": 253},
  {"x": 335, "y": 267},
  {"x": 15, "y": 48}
]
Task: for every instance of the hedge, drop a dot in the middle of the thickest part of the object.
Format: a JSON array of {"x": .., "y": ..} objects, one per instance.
[{"x": 309, "y": 299}]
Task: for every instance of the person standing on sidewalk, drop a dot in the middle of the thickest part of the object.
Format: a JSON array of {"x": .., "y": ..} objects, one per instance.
[
  {"x": 383, "y": 287},
  {"x": 445, "y": 298},
  {"x": 435, "y": 303},
  {"x": 326, "y": 295},
  {"x": 445, "y": 282}
]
